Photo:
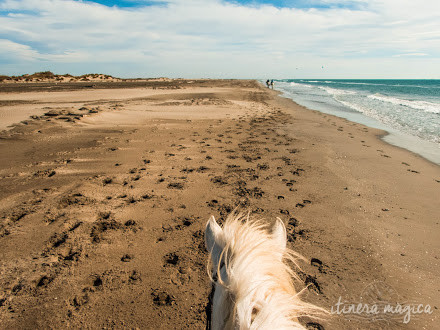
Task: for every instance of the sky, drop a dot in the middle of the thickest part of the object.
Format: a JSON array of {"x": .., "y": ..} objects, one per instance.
[{"x": 351, "y": 39}]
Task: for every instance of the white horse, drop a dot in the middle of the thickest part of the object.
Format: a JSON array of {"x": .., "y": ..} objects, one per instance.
[{"x": 253, "y": 286}]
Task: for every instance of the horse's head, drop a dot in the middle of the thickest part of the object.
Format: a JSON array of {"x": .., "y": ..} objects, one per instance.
[
  {"x": 220, "y": 243},
  {"x": 216, "y": 239}
]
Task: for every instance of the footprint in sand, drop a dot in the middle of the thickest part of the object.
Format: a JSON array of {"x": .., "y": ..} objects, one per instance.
[
  {"x": 80, "y": 300},
  {"x": 293, "y": 222},
  {"x": 127, "y": 257},
  {"x": 44, "y": 281},
  {"x": 312, "y": 284},
  {"x": 107, "y": 181},
  {"x": 162, "y": 298},
  {"x": 316, "y": 262},
  {"x": 172, "y": 259}
]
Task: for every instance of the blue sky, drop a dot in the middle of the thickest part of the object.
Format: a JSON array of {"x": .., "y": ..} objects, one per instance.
[
  {"x": 254, "y": 3},
  {"x": 127, "y": 3},
  {"x": 222, "y": 39}
]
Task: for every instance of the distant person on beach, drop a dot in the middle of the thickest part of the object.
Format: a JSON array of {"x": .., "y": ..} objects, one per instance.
[
  {"x": 267, "y": 83},
  {"x": 271, "y": 83}
]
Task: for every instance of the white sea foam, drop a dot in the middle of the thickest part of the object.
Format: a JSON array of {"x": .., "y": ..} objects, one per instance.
[
  {"x": 334, "y": 91},
  {"x": 355, "y": 107},
  {"x": 419, "y": 105},
  {"x": 399, "y": 107},
  {"x": 369, "y": 84},
  {"x": 301, "y": 85}
]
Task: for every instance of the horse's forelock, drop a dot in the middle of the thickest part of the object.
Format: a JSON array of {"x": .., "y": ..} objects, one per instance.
[{"x": 256, "y": 277}]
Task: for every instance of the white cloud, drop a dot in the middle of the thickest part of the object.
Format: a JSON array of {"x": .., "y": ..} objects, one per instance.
[
  {"x": 411, "y": 54},
  {"x": 219, "y": 39},
  {"x": 26, "y": 53},
  {"x": 16, "y": 50}
]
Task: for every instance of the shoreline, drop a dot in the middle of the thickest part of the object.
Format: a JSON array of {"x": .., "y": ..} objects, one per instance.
[
  {"x": 374, "y": 179},
  {"x": 381, "y": 135},
  {"x": 427, "y": 149},
  {"x": 108, "y": 205}
]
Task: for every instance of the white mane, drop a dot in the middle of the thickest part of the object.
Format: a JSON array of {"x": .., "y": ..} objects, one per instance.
[{"x": 254, "y": 287}]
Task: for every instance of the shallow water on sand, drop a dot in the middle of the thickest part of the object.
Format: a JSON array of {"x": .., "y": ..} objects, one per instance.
[{"x": 409, "y": 110}]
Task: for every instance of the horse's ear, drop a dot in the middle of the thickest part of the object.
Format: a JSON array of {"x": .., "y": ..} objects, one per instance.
[
  {"x": 279, "y": 233},
  {"x": 212, "y": 233}
]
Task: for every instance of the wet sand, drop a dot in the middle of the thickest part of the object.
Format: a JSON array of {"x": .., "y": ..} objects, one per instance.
[{"x": 106, "y": 190}]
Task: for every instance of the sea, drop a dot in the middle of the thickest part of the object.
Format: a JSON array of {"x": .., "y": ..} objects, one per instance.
[{"x": 409, "y": 110}]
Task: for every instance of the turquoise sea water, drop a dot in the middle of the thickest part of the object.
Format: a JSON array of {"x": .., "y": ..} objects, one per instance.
[{"x": 408, "y": 109}]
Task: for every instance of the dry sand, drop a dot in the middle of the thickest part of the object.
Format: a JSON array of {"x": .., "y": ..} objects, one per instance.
[{"x": 104, "y": 201}]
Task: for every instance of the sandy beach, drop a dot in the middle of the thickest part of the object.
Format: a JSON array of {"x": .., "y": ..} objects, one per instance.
[{"x": 105, "y": 191}]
